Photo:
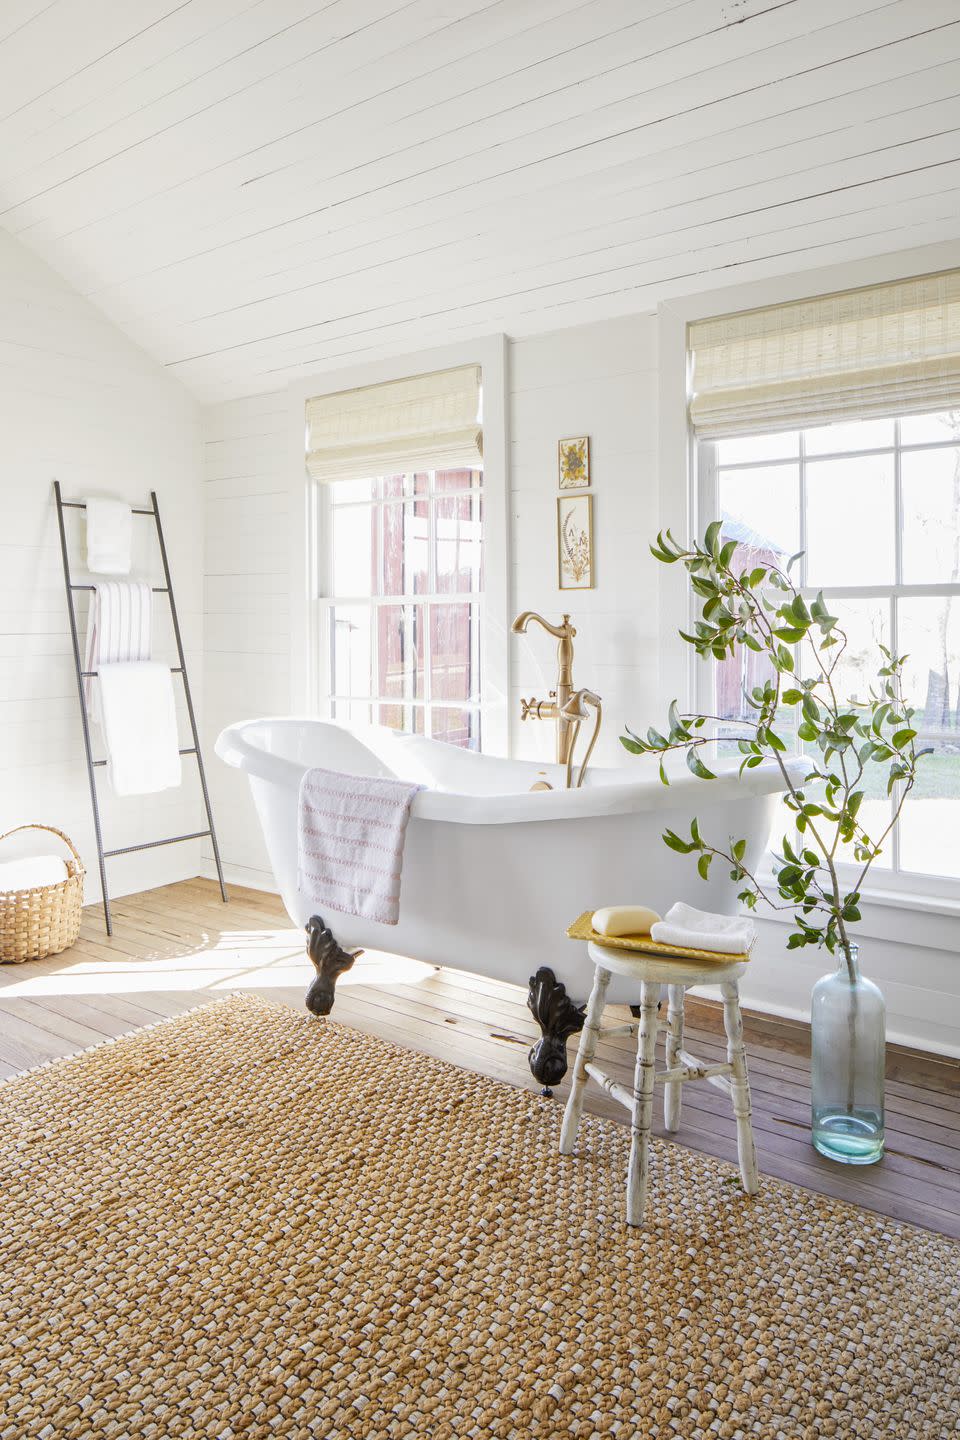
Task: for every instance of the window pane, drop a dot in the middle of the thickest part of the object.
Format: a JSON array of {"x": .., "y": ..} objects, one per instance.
[
  {"x": 457, "y": 479},
  {"x": 742, "y": 449},
  {"x": 866, "y": 624},
  {"x": 352, "y": 712},
  {"x": 930, "y": 821},
  {"x": 761, "y": 508},
  {"x": 456, "y": 727},
  {"x": 459, "y": 550},
  {"x": 850, "y": 521},
  {"x": 930, "y": 481},
  {"x": 416, "y": 539},
  {"x": 452, "y": 647},
  {"x": 350, "y": 639},
  {"x": 400, "y": 652},
  {"x": 347, "y": 492},
  {"x": 392, "y": 487},
  {"x": 406, "y": 531},
  {"x": 848, "y": 435},
  {"x": 354, "y": 550},
  {"x": 929, "y": 635},
  {"x": 874, "y": 817},
  {"x": 930, "y": 429},
  {"x": 391, "y": 716}
]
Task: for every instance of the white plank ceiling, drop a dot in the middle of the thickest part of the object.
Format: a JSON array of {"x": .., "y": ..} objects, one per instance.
[{"x": 256, "y": 190}]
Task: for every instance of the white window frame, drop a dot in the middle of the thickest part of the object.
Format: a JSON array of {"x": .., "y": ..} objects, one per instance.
[
  {"x": 893, "y": 879},
  {"x": 311, "y": 586}
]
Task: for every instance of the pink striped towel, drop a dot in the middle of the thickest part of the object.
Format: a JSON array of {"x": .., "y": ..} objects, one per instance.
[{"x": 352, "y": 829}]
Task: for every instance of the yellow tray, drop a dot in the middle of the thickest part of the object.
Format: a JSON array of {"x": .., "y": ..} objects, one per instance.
[{"x": 582, "y": 929}]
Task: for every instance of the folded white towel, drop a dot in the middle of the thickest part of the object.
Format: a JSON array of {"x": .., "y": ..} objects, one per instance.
[
  {"x": 119, "y": 627},
  {"x": 31, "y": 872},
  {"x": 701, "y": 930},
  {"x": 139, "y": 721},
  {"x": 352, "y": 829},
  {"x": 109, "y": 536}
]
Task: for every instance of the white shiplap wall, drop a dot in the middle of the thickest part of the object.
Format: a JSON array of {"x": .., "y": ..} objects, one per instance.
[
  {"x": 247, "y": 565},
  {"x": 598, "y": 380},
  {"x": 80, "y": 403}
]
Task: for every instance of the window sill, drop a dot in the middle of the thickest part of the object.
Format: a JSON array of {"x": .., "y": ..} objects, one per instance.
[{"x": 894, "y": 899}]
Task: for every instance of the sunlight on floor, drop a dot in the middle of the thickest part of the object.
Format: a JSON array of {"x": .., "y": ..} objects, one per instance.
[{"x": 222, "y": 961}]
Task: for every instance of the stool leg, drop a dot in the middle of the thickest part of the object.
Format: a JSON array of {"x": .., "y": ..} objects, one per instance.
[
  {"x": 740, "y": 1086},
  {"x": 586, "y": 1050},
  {"x": 673, "y": 1089},
  {"x": 643, "y": 1082}
]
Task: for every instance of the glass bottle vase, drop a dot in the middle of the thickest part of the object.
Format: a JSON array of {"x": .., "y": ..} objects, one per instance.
[{"x": 848, "y": 1033}]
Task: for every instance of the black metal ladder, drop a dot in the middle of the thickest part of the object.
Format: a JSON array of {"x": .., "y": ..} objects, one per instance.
[{"x": 181, "y": 670}]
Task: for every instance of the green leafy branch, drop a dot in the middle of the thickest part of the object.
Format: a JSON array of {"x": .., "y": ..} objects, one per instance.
[{"x": 763, "y": 611}]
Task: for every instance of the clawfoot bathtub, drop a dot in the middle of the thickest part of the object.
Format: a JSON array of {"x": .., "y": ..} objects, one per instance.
[{"x": 494, "y": 873}]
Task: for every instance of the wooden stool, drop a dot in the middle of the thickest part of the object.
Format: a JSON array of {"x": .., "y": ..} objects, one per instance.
[{"x": 650, "y": 972}]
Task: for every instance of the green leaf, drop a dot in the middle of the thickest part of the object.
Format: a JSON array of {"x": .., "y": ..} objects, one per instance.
[
  {"x": 674, "y": 842},
  {"x": 902, "y": 737},
  {"x": 703, "y": 866},
  {"x": 696, "y": 766},
  {"x": 738, "y": 848},
  {"x": 711, "y": 538},
  {"x": 634, "y": 746},
  {"x": 789, "y": 633},
  {"x": 663, "y": 775}
]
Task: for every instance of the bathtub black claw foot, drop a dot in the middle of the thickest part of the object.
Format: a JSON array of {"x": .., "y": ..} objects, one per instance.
[
  {"x": 558, "y": 1018},
  {"x": 329, "y": 960}
]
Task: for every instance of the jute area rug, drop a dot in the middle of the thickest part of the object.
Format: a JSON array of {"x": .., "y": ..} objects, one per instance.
[{"x": 245, "y": 1222}]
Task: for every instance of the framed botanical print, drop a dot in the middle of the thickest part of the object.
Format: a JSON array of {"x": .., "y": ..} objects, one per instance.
[
  {"x": 574, "y": 463},
  {"x": 575, "y": 542}
]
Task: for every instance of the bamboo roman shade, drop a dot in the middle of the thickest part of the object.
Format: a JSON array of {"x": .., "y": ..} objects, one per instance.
[
  {"x": 884, "y": 350},
  {"x": 426, "y": 422}
]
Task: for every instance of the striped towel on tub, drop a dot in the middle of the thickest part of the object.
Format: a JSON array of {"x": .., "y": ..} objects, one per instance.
[{"x": 351, "y": 833}]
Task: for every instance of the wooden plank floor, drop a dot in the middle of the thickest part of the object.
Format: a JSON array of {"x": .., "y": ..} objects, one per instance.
[{"x": 178, "y": 946}]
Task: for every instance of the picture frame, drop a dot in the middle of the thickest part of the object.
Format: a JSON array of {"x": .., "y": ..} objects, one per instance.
[
  {"x": 573, "y": 463},
  {"x": 575, "y": 560}
]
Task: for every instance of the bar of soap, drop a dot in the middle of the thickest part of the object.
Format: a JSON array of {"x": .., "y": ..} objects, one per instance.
[{"x": 624, "y": 920}]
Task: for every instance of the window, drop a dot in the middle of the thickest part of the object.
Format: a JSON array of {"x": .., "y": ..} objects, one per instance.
[
  {"x": 401, "y": 555},
  {"x": 875, "y": 507},
  {"x": 406, "y": 577}
]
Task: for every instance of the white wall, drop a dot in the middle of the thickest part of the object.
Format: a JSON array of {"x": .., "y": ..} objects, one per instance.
[
  {"x": 79, "y": 402},
  {"x": 247, "y": 619},
  {"x": 598, "y": 380}
]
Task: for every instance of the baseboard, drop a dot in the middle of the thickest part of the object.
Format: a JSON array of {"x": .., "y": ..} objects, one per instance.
[{"x": 246, "y": 875}]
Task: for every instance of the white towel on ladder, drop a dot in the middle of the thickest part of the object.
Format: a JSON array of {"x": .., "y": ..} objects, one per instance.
[
  {"x": 139, "y": 721},
  {"x": 109, "y": 536},
  {"x": 119, "y": 628}
]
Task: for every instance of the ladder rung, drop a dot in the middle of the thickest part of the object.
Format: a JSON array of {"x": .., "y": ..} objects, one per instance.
[
  {"x": 152, "y": 844},
  {"x": 97, "y": 764},
  {"x": 92, "y": 674},
  {"x": 82, "y": 505},
  {"x": 157, "y": 589}
]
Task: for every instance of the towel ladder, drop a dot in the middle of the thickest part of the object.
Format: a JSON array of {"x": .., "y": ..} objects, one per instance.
[{"x": 81, "y": 674}]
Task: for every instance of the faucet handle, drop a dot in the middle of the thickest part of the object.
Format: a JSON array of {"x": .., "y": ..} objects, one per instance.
[{"x": 529, "y": 709}]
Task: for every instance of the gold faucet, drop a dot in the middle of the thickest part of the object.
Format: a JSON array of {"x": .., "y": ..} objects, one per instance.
[
  {"x": 576, "y": 709},
  {"x": 564, "y": 705}
]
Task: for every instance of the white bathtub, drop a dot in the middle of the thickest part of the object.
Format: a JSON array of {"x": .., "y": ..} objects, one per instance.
[{"x": 494, "y": 873}]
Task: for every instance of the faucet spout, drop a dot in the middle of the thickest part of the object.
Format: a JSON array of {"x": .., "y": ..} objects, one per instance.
[{"x": 563, "y": 631}]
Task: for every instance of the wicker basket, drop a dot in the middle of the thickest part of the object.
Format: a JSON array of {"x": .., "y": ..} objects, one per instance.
[{"x": 40, "y": 922}]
